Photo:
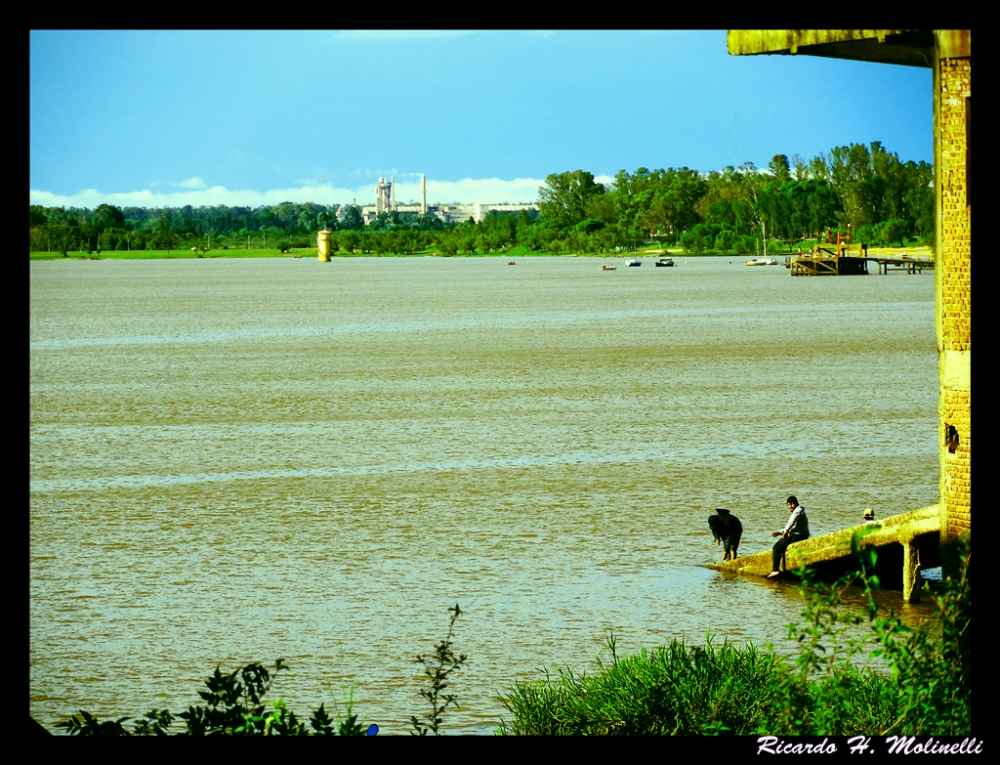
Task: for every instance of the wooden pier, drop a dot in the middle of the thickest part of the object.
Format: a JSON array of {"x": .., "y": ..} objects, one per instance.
[
  {"x": 827, "y": 263},
  {"x": 911, "y": 264},
  {"x": 906, "y": 543}
]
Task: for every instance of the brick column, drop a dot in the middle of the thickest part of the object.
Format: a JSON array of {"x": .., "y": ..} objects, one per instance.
[{"x": 953, "y": 277}]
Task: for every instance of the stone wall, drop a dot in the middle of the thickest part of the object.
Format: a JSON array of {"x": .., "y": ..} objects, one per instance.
[{"x": 953, "y": 80}]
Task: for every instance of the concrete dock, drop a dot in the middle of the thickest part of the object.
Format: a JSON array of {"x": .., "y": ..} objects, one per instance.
[
  {"x": 830, "y": 264},
  {"x": 906, "y": 543}
]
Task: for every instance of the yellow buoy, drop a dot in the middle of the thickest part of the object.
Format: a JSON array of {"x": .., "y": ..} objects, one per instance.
[{"x": 323, "y": 246}]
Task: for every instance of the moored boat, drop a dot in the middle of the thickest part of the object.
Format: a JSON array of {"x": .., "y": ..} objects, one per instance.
[
  {"x": 761, "y": 262},
  {"x": 664, "y": 262},
  {"x": 634, "y": 262}
]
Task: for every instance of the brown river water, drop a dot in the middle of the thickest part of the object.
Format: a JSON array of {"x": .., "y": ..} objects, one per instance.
[{"x": 239, "y": 460}]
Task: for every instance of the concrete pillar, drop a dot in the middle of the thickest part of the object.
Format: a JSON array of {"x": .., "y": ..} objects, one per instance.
[
  {"x": 911, "y": 571},
  {"x": 323, "y": 246},
  {"x": 953, "y": 277}
]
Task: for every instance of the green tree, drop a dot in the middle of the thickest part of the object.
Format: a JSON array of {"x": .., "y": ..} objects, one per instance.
[
  {"x": 109, "y": 217},
  {"x": 286, "y": 215},
  {"x": 753, "y": 184},
  {"x": 918, "y": 197},
  {"x": 497, "y": 232},
  {"x": 779, "y": 168},
  {"x": 896, "y": 230},
  {"x": 823, "y": 204},
  {"x": 352, "y": 220},
  {"x": 164, "y": 237},
  {"x": 429, "y": 222},
  {"x": 661, "y": 202},
  {"x": 602, "y": 208},
  {"x": 850, "y": 168},
  {"x": 819, "y": 167},
  {"x": 58, "y": 216},
  {"x": 701, "y": 237},
  {"x": 448, "y": 244},
  {"x": 563, "y": 197},
  {"x": 306, "y": 222},
  {"x": 37, "y": 216},
  {"x": 801, "y": 168},
  {"x": 725, "y": 240},
  {"x": 351, "y": 240}
]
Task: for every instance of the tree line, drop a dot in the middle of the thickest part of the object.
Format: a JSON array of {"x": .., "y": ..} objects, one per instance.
[{"x": 864, "y": 192}]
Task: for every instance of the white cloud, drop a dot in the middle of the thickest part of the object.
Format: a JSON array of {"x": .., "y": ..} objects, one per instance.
[
  {"x": 466, "y": 191},
  {"x": 191, "y": 183}
]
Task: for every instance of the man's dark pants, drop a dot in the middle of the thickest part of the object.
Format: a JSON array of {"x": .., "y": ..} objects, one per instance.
[{"x": 778, "y": 551}]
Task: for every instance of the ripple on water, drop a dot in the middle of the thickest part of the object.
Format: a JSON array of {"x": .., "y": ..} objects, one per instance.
[{"x": 233, "y": 461}]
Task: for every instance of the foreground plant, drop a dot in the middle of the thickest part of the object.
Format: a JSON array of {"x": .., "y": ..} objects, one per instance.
[
  {"x": 680, "y": 689},
  {"x": 235, "y": 706},
  {"x": 675, "y": 689},
  {"x": 437, "y": 668}
]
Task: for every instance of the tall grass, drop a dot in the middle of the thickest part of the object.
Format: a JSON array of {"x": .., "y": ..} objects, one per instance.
[
  {"x": 690, "y": 690},
  {"x": 680, "y": 689}
]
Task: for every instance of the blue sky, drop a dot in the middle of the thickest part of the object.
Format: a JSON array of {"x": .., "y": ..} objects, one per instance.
[{"x": 254, "y": 117}]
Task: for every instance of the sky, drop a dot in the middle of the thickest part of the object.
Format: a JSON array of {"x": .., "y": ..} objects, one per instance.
[{"x": 169, "y": 118}]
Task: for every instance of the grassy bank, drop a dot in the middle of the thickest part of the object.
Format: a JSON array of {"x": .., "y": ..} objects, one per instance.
[
  {"x": 311, "y": 253},
  {"x": 694, "y": 690},
  {"x": 673, "y": 690},
  {"x": 169, "y": 255},
  {"x": 517, "y": 252}
]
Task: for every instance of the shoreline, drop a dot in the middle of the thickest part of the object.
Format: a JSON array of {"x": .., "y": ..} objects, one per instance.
[
  {"x": 922, "y": 250},
  {"x": 313, "y": 255}
]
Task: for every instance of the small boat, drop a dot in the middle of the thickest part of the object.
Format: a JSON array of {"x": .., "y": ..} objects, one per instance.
[
  {"x": 761, "y": 262},
  {"x": 510, "y": 263},
  {"x": 664, "y": 262},
  {"x": 608, "y": 268},
  {"x": 634, "y": 262}
]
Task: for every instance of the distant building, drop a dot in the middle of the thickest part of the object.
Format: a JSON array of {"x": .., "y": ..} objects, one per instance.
[
  {"x": 385, "y": 202},
  {"x": 385, "y": 197}
]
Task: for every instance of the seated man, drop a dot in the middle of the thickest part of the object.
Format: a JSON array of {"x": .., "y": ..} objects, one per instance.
[
  {"x": 726, "y": 528},
  {"x": 795, "y": 530}
]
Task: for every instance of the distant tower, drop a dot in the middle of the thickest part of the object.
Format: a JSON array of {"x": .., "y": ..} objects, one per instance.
[
  {"x": 423, "y": 194},
  {"x": 382, "y": 196},
  {"x": 392, "y": 189}
]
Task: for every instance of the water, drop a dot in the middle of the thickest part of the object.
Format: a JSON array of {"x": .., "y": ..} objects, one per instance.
[{"x": 239, "y": 460}]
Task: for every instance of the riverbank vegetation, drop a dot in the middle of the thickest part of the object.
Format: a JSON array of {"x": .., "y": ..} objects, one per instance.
[
  {"x": 678, "y": 689},
  {"x": 712, "y": 690},
  {"x": 864, "y": 192},
  {"x": 234, "y": 706}
]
